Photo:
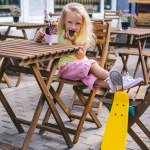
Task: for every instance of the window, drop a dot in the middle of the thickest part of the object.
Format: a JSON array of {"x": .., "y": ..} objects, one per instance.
[
  {"x": 5, "y": 5},
  {"x": 107, "y": 5},
  {"x": 91, "y": 6}
]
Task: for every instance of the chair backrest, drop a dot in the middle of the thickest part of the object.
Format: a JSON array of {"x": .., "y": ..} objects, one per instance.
[
  {"x": 114, "y": 15},
  {"x": 142, "y": 20},
  {"x": 54, "y": 15},
  {"x": 102, "y": 32}
]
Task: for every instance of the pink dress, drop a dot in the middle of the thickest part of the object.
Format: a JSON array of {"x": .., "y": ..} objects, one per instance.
[{"x": 79, "y": 70}]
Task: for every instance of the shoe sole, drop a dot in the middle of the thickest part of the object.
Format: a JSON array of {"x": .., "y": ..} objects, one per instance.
[{"x": 116, "y": 80}]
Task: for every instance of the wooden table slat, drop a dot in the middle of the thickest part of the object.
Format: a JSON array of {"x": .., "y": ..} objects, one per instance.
[{"x": 26, "y": 50}]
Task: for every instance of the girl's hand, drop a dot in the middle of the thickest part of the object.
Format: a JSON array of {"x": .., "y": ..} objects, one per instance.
[
  {"x": 39, "y": 37},
  {"x": 82, "y": 52},
  {"x": 71, "y": 38}
]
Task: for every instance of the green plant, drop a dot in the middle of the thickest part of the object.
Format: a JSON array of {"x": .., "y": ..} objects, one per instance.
[
  {"x": 126, "y": 16},
  {"x": 15, "y": 11}
]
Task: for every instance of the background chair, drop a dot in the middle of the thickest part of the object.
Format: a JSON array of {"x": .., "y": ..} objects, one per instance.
[
  {"x": 142, "y": 20},
  {"x": 101, "y": 56},
  {"x": 116, "y": 17},
  {"x": 98, "y": 49},
  {"x": 54, "y": 15}
]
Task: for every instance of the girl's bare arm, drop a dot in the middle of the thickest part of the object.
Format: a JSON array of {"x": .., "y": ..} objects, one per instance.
[{"x": 82, "y": 52}]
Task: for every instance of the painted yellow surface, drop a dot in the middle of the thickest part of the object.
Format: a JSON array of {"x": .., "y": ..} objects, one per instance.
[{"x": 115, "y": 135}]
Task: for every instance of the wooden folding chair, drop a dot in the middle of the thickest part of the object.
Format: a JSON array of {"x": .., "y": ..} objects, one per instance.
[
  {"x": 78, "y": 86},
  {"x": 97, "y": 55},
  {"x": 140, "y": 99},
  {"x": 115, "y": 16},
  {"x": 99, "y": 45}
]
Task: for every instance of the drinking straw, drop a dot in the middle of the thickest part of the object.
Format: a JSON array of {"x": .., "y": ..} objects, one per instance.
[{"x": 45, "y": 10}]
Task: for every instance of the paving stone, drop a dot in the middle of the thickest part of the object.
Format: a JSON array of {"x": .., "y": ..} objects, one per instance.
[
  {"x": 24, "y": 98},
  {"x": 80, "y": 146}
]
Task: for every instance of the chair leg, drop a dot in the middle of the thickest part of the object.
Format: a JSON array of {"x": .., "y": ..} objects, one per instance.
[
  {"x": 99, "y": 108},
  {"x": 7, "y": 80},
  {"x": 74, "y": 98},
  {"x": 5, "y": 77},
  {"x": 19, "y": 79},
  {"x": 87, "y": 110},
  {"x": 60, "y": 102},
  {"x": 99, "y": 105},
  {"x": 143, "y": 128},
  {"x": 137, "y": 139}
]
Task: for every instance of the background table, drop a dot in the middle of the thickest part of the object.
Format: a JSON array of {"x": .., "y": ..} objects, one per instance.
[
  {"x": 23, "y": 26},
  {"x": 20, "y": 26},
  {"x": 29, "y": 53},
  {"x": 139, "y": 42}
]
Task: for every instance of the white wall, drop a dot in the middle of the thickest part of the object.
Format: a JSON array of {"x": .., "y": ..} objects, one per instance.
[{"x": 33, "y": 11}]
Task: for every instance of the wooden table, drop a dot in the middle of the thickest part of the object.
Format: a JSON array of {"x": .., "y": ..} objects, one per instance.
[
  {"x": 29, "y": 53},
  {"x": 140, "y": 37},
  {"x": 20, "y": 26}
]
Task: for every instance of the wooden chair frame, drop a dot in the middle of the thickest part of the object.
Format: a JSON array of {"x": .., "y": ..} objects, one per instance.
[
  {"x": 97, "y": 55},
  {"x": 5, "y": 77},
  {"x": 78, "y": 86}
]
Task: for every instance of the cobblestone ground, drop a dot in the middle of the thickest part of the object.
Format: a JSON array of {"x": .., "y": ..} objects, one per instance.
[{"x": 24, "y": 99}]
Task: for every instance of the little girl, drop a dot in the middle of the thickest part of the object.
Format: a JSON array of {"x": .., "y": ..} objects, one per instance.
[{"x": 76, "y": 28}]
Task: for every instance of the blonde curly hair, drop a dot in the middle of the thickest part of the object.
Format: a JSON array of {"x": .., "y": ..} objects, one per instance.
[{"x": 87, "y": 28}]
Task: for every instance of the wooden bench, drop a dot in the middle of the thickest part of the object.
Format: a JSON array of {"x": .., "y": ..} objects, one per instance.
[{"x": 140, "y": 99}]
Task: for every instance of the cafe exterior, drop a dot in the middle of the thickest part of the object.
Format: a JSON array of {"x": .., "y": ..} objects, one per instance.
[{"x": 33, "y": 11}]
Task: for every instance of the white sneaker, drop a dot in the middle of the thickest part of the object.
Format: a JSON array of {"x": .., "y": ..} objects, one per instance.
[
  {"x": 115, "y": 81},
  {"x": 129, "y": 81}
]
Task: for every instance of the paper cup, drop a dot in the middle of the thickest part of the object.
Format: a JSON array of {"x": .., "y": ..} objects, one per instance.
[{"x": 50, "y": 39}]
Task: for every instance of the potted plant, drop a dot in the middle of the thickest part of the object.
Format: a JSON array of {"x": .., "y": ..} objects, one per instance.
[
  {"x": 126, "y": 17},
  {"x": 15, "y": 12}
]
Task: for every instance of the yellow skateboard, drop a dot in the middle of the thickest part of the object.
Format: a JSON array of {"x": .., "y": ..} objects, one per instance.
[{"x": 116, "y": 129}]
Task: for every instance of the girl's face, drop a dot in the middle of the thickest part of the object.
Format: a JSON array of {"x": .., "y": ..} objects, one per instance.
[{"x": 73, "y": 21}]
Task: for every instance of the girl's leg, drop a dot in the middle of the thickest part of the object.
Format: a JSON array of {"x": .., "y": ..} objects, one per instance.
[
  {"x": 99, "y": 72},
  {"x": 101, "y": 84}
]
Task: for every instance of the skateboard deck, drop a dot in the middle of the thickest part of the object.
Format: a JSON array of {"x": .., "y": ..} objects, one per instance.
[{"x": 116, "y": 129}]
